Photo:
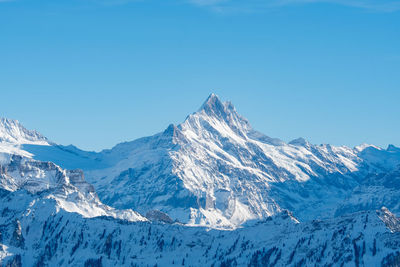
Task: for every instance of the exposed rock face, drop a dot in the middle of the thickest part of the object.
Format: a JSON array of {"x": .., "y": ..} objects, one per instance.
[
  {"x": 67, "y": 187},
  {"x": 158, "y": 216},
  {"x": 35, "y": 176},
  {"x": 17, "y": 239}
]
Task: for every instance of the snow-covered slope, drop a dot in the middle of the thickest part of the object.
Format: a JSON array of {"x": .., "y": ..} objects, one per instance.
[
  {"x": 13, "y": 136},
  {"x": 11, "y": 131},
  {"x": 52, "y": 217},
  {"x": 25, "y": 180},
  {"x": 45, "y": 236},
  {"x": 375, "y": 191},
  {"x": 16, "y": 139},
  {"x": 265, "y": 202},
  {"x": 214, "y": 169}
]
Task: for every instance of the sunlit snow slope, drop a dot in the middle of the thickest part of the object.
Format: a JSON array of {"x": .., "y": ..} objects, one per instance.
[
  {"x": 264, "y": 202},
  {"x": 215, "y": 169}
]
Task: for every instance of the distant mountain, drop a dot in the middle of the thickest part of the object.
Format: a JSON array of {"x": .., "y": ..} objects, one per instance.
[
  {"x": 215, "y": 170},
  {"x": 11, "y": 131},
  {"x": 210, "y": 191}
]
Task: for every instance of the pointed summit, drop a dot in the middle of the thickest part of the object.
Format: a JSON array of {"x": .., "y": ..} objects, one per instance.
[
  {"x": 218, "y": 115},
  {"x": 224, "y": 111},
  {"x": 211, "y": 98},
  {"x": 213, "y": 105}
]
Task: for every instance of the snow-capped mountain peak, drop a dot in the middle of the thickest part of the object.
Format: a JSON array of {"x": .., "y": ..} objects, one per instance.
[
  {"x": 12, "y": 131},
  {"x": 222, "y": 117},
  {"x": 284, "y": 204},
  {"x": 215, "y": 115},
  {"x": 213, "y": 106},
  {"x": 214, "y": 169}
]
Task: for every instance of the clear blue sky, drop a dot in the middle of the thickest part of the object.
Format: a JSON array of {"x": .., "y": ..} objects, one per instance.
[{"x": 98, "y": 72}]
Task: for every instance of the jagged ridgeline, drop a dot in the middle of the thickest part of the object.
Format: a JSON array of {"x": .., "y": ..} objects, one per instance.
[{"x": 211, "y": 191}]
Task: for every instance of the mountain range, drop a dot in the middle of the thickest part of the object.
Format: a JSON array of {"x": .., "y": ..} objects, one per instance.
[{"x": 211, "y": 191}]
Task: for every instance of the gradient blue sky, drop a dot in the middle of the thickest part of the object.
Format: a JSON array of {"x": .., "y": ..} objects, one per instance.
[{"x": 98, "y": 72}]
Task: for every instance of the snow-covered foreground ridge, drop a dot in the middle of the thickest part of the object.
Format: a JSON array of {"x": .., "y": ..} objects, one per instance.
[
  {"x": 47, "y": 237},
  {"x": 290, "y": 203}
]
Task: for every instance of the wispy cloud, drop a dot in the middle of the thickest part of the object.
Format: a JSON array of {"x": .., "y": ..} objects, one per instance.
[
  {"x": 259, "y": 5},
  {"x": 226, "y": 6},
  {"x": 114, "y": 2}
]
